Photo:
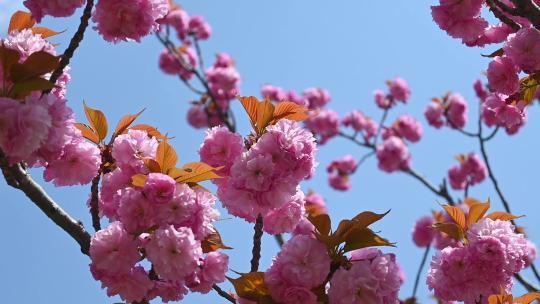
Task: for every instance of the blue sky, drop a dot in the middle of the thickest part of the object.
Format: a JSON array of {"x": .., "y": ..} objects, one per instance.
[{"x": 350, "y": 48}]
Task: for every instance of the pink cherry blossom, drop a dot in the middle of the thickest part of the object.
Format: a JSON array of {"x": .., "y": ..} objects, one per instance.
[
  {"x": 130, "y": 149},
  {"x": 434, "y": 114},
  {"x": 125, "y": 20},
  {"x": 159, "y": 188},
  {"x": 131, "y": 287},
  {"x": 113, "y": 251},
  {"x": 423, "y": 233},
  {"x": 56, "y": 8},
  {"x": 199, "y": 27},
  {"x": 399, "y": 89},
  {"x": 197, "y": 116},
  {"x": 460, "y": 19},
  {"x": 213, "y": 269},
  {"x": 109, "y": 197},
  {"x": 357, "y": 285},
  {"x": 393, "y": 155},
  {"x": 339, "y": 171},
  {"x": 203, "y": 214},
  {"x": 316, "y": 97},
  {"x": 174, "y": 252},
  {"x": 169, "y": 63},
  {"x": 469, "y": 172},
  {"x": 456, "y": 111},
  {"x": 316, "y": 202},
  {"x": 382, "y": 100},
  {"x": 223, "y": 78},
  {"x": 273, "y": 93},
  {"x": 179, "y": 20},
  {"x": 409, "y": 128},
  {"x": 135, "y": 211},
  {"x": 221, "y": 147},
  {"x": 502, "y": 75},
  {"x": 168, "y": 291},
  {"x": 179, "y": 209},
  {"x": 523, "y": 48},
  {"x": 285, "y": 218},
  {"x": 324, "y": 123}
]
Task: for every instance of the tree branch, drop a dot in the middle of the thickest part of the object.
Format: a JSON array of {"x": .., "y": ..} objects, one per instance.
[
  {"x": 256, "y": 251},
  {"x": 94, "y": 206},
  {"x": 419, "y": 272},
  {"x": 224, "y": 294},
  {"x": 528, "y": 9},
  {"x": 496, "y": 7},
  {"x": 442, "y": 191},
  {"x": 74, "y": 43},
  {"x": 18, "y": 178}
]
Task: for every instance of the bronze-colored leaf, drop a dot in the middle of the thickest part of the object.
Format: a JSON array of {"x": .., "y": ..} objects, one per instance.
[
  {"x": 250, "y": 104},
  {"x": 528, "y": 298},
  {"x": 322, "y": 223},
  {"x": 21, "y": 20},
  {"x": 528, "y": 88},
  {"x": 195, "y": 173},
  {"x": 36, "y": 65},
  {"x": 152, "y": 165},
  {"x": 360, "y": 237},
  {"x": 152, "y": 131},
  {"x": 45, "y": 32},
  {"x": 250, "y": 286},
  {"x": 457, "y": 215},
  {"x": 166, "y": 156},
  {"x": 469, "y": 201},
  {"x": 477, "y": 212},
  {"x": 213, "y": 242},
  {"x": 124, "y": 123},
  {"x": 289, "y": 110},
  {"x": 24, "y": 88},
  {"x": 451, "y": 229},
  {"x": 367, "y": 218},
  {"x": 498, "y": 52},
  {"x": 139, "y": 180},
  {"x": 97, "y": 120},
  {"x": 503, "y": 216},
  {"x": 88, "y": 133},
  {"x": 265, "y": 114},
  {"x": 8, "y": 58}
]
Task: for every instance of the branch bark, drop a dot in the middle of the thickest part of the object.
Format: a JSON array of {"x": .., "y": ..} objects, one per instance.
[{"x": 256, "y": 251}]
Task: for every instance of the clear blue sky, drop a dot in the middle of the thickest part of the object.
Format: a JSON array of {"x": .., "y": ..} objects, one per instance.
[{"x": 350, "y": 48}]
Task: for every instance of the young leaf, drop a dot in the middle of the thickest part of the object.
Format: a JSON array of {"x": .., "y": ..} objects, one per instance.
[
  {"x": 149, "y": 129},
  {"x": 367, "y": 218},
  {"x": 36, "y": 65},
  {"x": 250, "y": 286},
  {"x": 456, "y": 214},
  {"x": 322, "y": 223},
  {"x": 528, "y": 86},
  {"x": 265, "y": 114},
  {"x": 166, "y": 156},
  {"x": 451, "y": 229},
  {"x": 195, "y": 173},
  {"x": 152, "y": 165},
  {"x": 477, "y": 212},
  {"x": 250, "y": 105},
  {"x": 124, "y": 123},
  {"x": 8, "y": 58},
  {"x": 88, "y": 133},
  {"x": 469, "y": 201},
  {"x": 503, "y": 216},
  {"x": 213, "y": 242},
  {"x": 24, "y": 88},
  {"x": 20, "y": 21},
  {"x": 528, "y": 298},
  {"x": 289, "y": 110},
  {"x": 498, "y": 52},
  {"x": 359, "y": 237},
  {"x": 45, "y": 32},
  {"x": 139, "y": 180},
  {"x": 97, "y": 120}
]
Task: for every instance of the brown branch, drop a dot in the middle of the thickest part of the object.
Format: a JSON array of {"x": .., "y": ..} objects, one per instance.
[
  {"x": 279, "y": 239},
  {"x": 224, "y": 294},
  {"x": 530, "y": 287},
  {"x": 529, "y": 10},
  {"x": 256, "y": 251},
  {"x": 94, "y": 206},
  {"x": 419, "y": 272},
  {"x": 442, "y": 191},
  {"x": 496, "y": 8},
  {"x": 18, "y": 178},
  {"x": 74, "y": 43}
]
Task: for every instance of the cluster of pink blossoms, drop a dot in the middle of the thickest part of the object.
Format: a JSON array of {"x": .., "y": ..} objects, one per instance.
[
  {"x": 339, "y": 171},
  {"x": 40, "y": 130},
  {"x": 163, "y": 222},
  {"x": 470, "y": 171},
  {"x": 450, "y": 110},
  {"x": 472, "y": 272},
  {"x": 312, "y": 98},
  {"x": 116, "y": 20},
  {"x": 263, "y": 180},
  {"x": 361, "y": 124},
  {"x": 398, "y": 91}
]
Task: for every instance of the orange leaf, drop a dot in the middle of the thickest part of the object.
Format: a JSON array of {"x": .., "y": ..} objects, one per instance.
[
  {"x": 451, "y": 229},
  {"x": 45, "y": 32},
  {"x": 8, "y": 58},
  {"x": 20, "y": 21},
  {"x": 97, "y": 120},
  {"x": 149, "y": 129},
  {"x": 37, "y": 64},
  {"x": 503, "y": 216},
  {"x": 469, "y": 201},
  {"x": 213, "y": 242},
  {"x": 289, "y": 110},
  {"x": 367, "y": 218},
  {"x": 166, "y": 156},
  {"x": 124, "y": 123},
  {"x": 456, "y": 214},
  {"x": 528, "y": 298},
  {"x": 88, "y": 133},
  {"x": 152, "y": 165},
  {"x": 195, "y": 173},
  {"x": 139, "y": 180},
  {"x": 250, "y": 105},
  {"x": 250, "y": 286},
  {"x": 265, "y": 113},
  {"x": 322, "y": 223},
  {"x": 24, "y": 88},
  {"x": 477, "y": 212},
  {"x": 360, "y": 237}
]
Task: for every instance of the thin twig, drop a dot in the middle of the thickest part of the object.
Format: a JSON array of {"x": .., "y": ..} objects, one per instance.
[
  {"x": 256, "y": 251},
  {"x": 528, "y": 9},
  {"x": 528, "y": 285},
  {"x": 24, "y": 182},
  {"x": 94, "y": 205},
  {"x": 199, "y": 53},
  {"x": 496, "y": 8},
  {"x": 442, "y": 191},
  {"x": 535, "y": 271},
  {"x": 492, "y": 135},
  {"x": 74, "y": 43},
  {"x": 279, "y": 239},
  {"x": 224, "y": 294},
  {"x": 356, "y": 141},
  {"x": 419, "y": 272},
  {"x": 380, "y": 127}
]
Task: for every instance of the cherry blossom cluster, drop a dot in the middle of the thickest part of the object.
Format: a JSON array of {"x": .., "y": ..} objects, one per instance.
[
  {"x": 398, "y": 91},
  {"x": 116, "y": 20},
  {"x": 473, "y": 271},
  {"x": 39, "y": 129},
  {"x": 470, "y": 171},
  {"x": 450, "y": 110},
  {"x": 339, "y": 171},
  {"x": 163, "y": 223},
  {"x": 264, "y": 178}
]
